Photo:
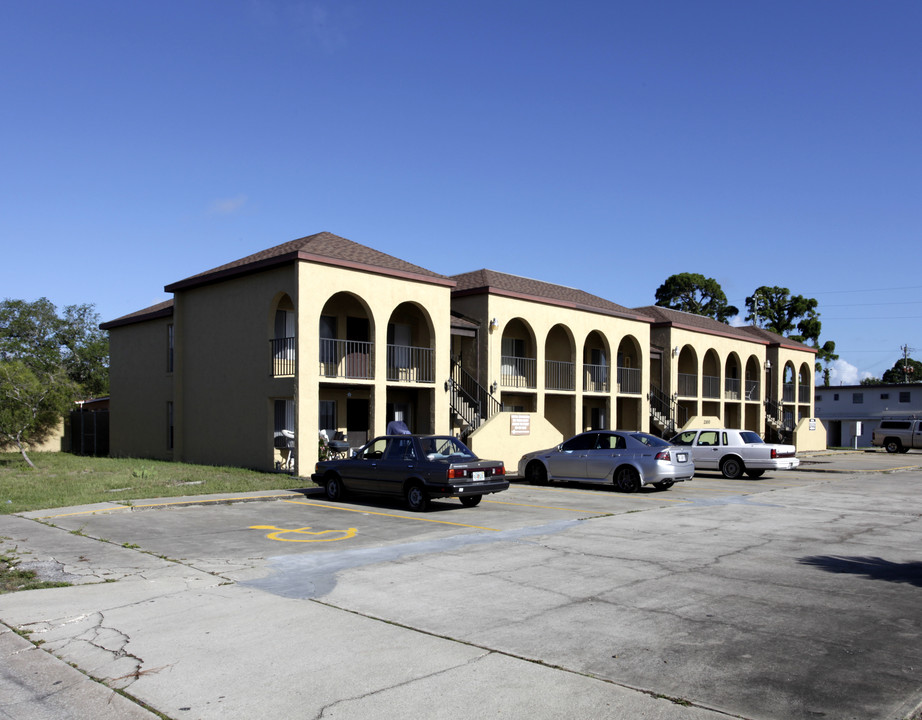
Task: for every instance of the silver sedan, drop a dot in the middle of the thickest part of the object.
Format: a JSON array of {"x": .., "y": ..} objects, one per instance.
[{"x": 627, "y": 459}]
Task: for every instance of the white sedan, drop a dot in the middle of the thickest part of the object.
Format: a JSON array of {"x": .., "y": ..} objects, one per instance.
[{"x": 735, "y": 452}]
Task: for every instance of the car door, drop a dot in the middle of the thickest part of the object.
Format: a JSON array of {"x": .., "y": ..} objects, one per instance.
[
  {"x": 706, "y": 450},
  {"x": 601, "y": 459},
  {"x": 397, "y": 464},
  {"x": 362, "y": 472},
  {"x": 569, "y": 461}
]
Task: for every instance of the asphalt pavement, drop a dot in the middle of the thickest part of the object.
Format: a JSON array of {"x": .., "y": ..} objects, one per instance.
[{"x": 792, "y": 596}]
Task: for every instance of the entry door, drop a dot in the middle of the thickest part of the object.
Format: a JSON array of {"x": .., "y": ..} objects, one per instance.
[{"x": 357, "y": 423}]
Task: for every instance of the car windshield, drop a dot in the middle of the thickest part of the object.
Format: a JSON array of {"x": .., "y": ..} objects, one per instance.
[
  {"x": 650, "y": 440},
  {"x": 750, "y": 437},
  {"x": 442, "y": 448}
]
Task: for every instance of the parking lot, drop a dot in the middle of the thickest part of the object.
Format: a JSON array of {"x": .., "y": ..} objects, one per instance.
[{"x": 791, "y": 596}]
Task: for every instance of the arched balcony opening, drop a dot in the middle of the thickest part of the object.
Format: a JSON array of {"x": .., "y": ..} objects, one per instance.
[
  {"x": 752, "y": 390},
  {"x": 687, "y": 373},
  {"x": 282, "y": 337},
  {"x": 804, "y": 389},
  {"x": 410, "y": 341},
  {"x": 733, "y": 389},
  {"x": 559, "y": 355},
  {"x": 788, "y": 388},
  {"x": 630, "y": 364},
  {"x": 596, "y": 364},
  {"x": 710, "y": 378},
  {"x": 346, "y": 339},
  {"x": 518, "y": 362}
]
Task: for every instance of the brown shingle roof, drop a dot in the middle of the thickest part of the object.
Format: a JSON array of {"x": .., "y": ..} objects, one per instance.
[
  {"x": 325, "y": 248},
  {"x": 701, "y": 323},
  {"x": 163, "y": 309},
  {"x": 497, "y": 283}
]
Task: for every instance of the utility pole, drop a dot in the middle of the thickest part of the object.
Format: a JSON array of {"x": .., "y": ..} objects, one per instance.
[{"x": 908, "y": 369}]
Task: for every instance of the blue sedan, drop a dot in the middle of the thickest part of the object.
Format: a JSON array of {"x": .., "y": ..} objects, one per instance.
[{"x": 415, "y": 467}]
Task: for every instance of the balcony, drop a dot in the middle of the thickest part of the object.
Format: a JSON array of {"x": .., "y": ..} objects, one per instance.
[
  {"x": 732, "y": 389},
  {"x": 629, "y": 380},
  {"x": 410, "y": 364},
  {"x": 282, "y": 352},
  {"x": 688, "y": 385},
  {"x": 559, "y": 375},
  {"x": 803, "y": 392},
  {"x": 596, "y": 378},
  {"x": 710, "y": 387},
  {"x": 752, "y": 390},
  {"x": 788, "y": 392},
  {"x": 346, "y": 359},
  {"x": 518, "y": 372}
]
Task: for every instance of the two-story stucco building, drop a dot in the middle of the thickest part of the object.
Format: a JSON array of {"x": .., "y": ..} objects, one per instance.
[{"x": 251, "y": 361}]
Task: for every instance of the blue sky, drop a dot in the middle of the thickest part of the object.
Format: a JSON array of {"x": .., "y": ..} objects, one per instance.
[{"x": 600, "y": 145}]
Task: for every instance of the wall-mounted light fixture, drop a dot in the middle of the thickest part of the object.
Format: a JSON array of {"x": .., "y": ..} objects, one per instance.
[
  {"x": 768, "y": 364},
  {"x": 675, "y": 351},
  {"x": 494, "y": 323},
  {"x": 493, "y": 387}
]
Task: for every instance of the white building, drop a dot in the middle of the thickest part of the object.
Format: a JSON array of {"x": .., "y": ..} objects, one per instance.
[{"x": 841, "y": 407}]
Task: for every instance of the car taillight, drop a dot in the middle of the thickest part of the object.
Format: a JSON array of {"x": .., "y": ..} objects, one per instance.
[
  {"x": 501, "y": 470},
  {"x": 455, "y": 473},
  {"x": 774, "y": 454},
  {"x": 664, "y": 455}
]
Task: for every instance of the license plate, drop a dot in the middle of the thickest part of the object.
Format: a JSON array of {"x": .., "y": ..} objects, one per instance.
[
  {"x": 477, "y": 476},
  {"x": 681, "y": 457}
]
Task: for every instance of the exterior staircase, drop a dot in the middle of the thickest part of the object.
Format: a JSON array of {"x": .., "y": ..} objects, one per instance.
[{"x": 471, "y": 403}]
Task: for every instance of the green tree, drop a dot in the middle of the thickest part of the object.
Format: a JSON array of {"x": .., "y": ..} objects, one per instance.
[
  {"x": 46, "y": 362},
  {"x": 31, "y": 402},
  {"x": 694, "y": 293},
  {"x": 904, "y": 370},
  {"x": 794, "y": 316}
]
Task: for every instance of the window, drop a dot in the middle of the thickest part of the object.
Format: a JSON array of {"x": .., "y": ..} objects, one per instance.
[
  {"x": 585, "y": 441},
  {"x": 835, "y": 397},
  {"x": 328, "y": 416},
  {"x": 169, "y": 423},
  {"x": 284, "y": 423},
  {"x": 885, "y": 396},
  {"x": 708, "y": 438},
  {"x": 818, "y": 398},
  {"x": 169, "y": 349},
  {"x": 857, "y": 398},
  {"x": 904, "y": 396}
]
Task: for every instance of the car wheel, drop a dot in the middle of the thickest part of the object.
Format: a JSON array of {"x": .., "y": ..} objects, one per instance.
[
  {"x": 471, "y": 500},
  {"x": 893, "y": 446},
  {"x": 417, "y": 498},
  {"x": 665, "y": 485},
  {"x": 333, "y": 487},
  {"x": 732, "y": 468},
  {"x": 627, "y": 480},
  {"x": 755, "y": 474},
  {"x": 536, "y": 473}
]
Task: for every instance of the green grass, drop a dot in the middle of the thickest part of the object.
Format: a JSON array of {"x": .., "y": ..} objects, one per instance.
[
  {"x": 64, "y": 480},
  {"x": 13, "y": 579}
]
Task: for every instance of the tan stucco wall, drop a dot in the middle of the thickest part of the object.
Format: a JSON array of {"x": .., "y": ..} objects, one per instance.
[
  {"x": 494, "y": 439},
  {"x": 140, "y": 388},
  {"x": 810, "y": 435},
  {"x": 56, "y": 440},
  {"x": 540, "y": 320},
  {"x": 379, "y": 297},
  {"x": 225, "y": 387}
]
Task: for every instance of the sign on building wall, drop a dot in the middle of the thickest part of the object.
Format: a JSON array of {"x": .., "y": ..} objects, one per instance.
[{"x": 519, "y": 424}]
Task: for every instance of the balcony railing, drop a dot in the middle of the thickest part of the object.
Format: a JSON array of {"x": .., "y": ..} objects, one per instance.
[
  {"x": 752, "y": 390},
  {"x": 688, "y": 385},
  {"x": 346, "y": 359},
  {"x": 629, "y": 381},
  {"x": 710, "y": 386},
  {"x": 410, "y": 364},
  {"x": 518, "y": 372},
  {"x": 596, "y": 378},
  {"x": 803, "y": 392},
  {"x": 559, "y": 375},
  {"x": 787, "y": 392},
  {"x": 732, "y": 388},
  {"x": 282, "y": 352}
]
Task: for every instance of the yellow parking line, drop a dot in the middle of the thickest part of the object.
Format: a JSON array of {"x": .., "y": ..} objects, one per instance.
[{"x": 402, "y": 517}]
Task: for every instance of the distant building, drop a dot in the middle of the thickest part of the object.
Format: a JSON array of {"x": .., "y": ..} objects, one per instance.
[{"x": 840, "y": 407}]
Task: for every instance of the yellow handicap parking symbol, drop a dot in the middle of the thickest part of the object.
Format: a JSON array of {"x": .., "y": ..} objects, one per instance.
[{"x": 305, "y": 534}]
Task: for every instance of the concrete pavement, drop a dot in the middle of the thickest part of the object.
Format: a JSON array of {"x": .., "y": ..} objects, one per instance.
[{"x": 795, "y": 596}]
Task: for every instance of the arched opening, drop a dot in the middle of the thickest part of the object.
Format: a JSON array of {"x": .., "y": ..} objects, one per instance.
[{"x": 596, "y": 364}]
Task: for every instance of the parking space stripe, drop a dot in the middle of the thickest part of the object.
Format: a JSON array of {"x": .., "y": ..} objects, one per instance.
[{"x": 402, "y": 517}]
